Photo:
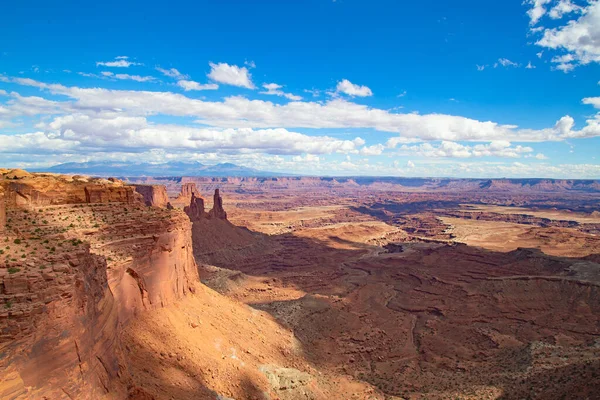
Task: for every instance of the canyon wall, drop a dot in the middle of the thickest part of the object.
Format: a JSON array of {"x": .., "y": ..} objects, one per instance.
[
  {"x": 2, "y": 210},
  {"x": 75, "y": 273},
  {"x": 154, "y": 195},
  {"x": 35, "y": 190},
  {"x": 196, "y": 208}
]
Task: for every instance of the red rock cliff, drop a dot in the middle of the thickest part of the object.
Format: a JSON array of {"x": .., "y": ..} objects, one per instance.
[
  {"x": 154, "y": 195},
  {"x": 189, "y": 189},
  {"x": 2, "y": 211},
  {"x": 87, "y": 270},
  {"x": 196, "y": 208},
  {"x": 217, "y": 211}
]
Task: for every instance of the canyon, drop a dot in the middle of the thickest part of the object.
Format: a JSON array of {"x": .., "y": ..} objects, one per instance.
[{"x": 298, "y": 288}]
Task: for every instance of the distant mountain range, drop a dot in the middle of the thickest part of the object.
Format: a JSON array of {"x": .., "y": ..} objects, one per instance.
[{"x": 172, "y": 168}]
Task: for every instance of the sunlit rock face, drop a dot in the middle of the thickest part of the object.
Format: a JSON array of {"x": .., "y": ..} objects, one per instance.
[{"x": 83, "y": 258}]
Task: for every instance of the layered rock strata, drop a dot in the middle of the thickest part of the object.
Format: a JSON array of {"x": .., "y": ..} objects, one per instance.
[
  {"x": 72, "y": 275},
  {"x": 154, "y": 195}
]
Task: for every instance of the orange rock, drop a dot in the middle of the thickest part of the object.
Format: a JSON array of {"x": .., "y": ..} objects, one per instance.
[
  {"x": 196, "y": 208},
  {"x": 217, "y": 211},
  {"x": 2, "y": 211},
  {"x": 154, "y": 195}
]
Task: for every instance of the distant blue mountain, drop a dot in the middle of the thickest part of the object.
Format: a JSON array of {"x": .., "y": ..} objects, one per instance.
[{"x": 172, "y": 168}]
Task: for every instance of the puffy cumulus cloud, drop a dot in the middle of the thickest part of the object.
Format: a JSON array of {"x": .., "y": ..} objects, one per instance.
[
  {"x": 172, "y": 73},
  {"x": 374, "y": 150},
  {"x": 192, "y": 85},
  {"x": 231, "y": 75},
  {"x": 579, "y": 38},
  {"x": 307, "y": 158},
  {"x": 497, "y": 148},
  {"x": 118, "y": 133},
  {"x": 275, "y": 89},
  {"x": 136, "y": 78},
  {"x": 35, "y": 143},
  {"x": 238, "y": 112},
  {"x": 119, "y": 62},
  {"x": 537, "y": 10},
  {"x": 564, "y": 7},
  {"x": 349, "y": 88}
]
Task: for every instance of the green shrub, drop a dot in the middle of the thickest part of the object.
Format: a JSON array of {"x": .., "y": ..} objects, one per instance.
[{"x": 13, "y": 270}]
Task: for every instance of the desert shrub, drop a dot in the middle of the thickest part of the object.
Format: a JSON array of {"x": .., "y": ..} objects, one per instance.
[{"x": 13, "y": 270}]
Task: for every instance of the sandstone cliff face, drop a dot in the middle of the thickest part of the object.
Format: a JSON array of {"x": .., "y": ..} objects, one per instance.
[
  {"x": 124, "y": 194},
  {"x": 154, "y": 195},
  {"x": 2, "y": 211},
  {"x": 35, "y": 190},
  {"x": 196, "y": 208},
  {"x": 63, "y": 301},
  {"x": 217, "y": 211},
  {"x": 189, "y": 189},
  {"x": 58, "y": 325}
]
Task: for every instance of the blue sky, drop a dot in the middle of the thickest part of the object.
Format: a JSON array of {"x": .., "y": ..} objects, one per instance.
[{"x": 343, "y": 87}]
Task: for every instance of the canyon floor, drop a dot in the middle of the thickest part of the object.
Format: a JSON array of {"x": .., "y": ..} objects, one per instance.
[{"x": 300, "y": 291}]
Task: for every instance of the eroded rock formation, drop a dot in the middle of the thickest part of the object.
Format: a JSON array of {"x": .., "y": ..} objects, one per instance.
[
  {"x": 189, "y": 189},
  {"x": 64, "y": 300},
  {"x": 123, "y": 194},
  {"x": 217, "y": 211},
  {"x": 2, "y": 210},
  {"x": 154, "y": 195},
  {"x": 196, "y": 208},
  {"x": 25, "y": 190}
]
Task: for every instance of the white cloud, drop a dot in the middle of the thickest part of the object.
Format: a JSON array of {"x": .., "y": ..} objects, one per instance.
[
  {"x": 537, "y": 10},
  {"x": 275, "y": 89},
  {"x": 314, "y": 92},
  {"x": 499, "y": 148},
  {"x": 505, "y": 62},
  {"x": 172, "y": 73},
  {"x": 191, "y": 85},
  {"x": 480, "y": 67},
  {"x": 349, "y": 88},
  {"x": 530, "y": 66},
  {"x": 563, "y": 7},
  {"x": 237, "y": 112},
  {"x": 231, "y": 75},
  {"x": 578, "y": 38},
  {"x": 136, "y": 78},
  {"x": 119, "y": 62},
  {"x": 307, "y": 158},
  {"x": 373, "y": 150},
  {"x": 118, "y": 133},
  {"x": 410, "y": 164},
  {"x": 402, "y": 94}
]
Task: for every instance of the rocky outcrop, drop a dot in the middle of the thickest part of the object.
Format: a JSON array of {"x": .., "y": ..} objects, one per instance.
[
  {"x": 122, "y": 194},
  {"x": 39, "y": 190},
  {"x": 188, "y": 189},
  {"x": 154, "y": 195},
  {"x": 196, "y": 208},
  {"x": 217, "y": 211},
  {"x": 63, "y": 301},
  {"x": 17, "y": 174},
  {"x": 2, "y": 211},
  {"x": 57, "y": 328},
  {"x": 160, "y": 267}
]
